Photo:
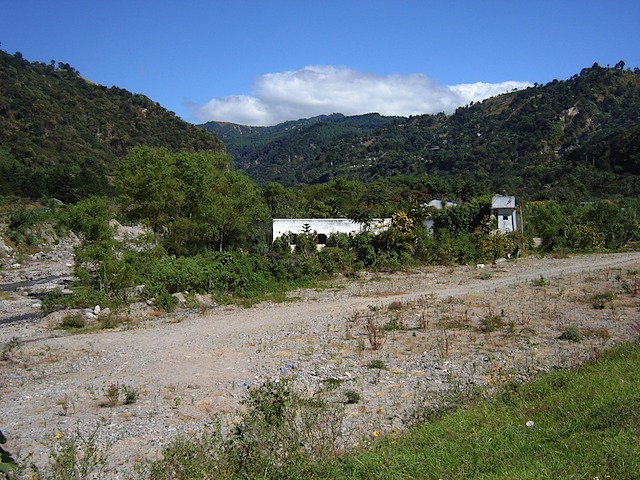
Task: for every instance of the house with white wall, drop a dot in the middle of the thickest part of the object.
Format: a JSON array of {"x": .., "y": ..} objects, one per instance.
[
  {"x": 324, "y": 227},
  {"x": 503, "y": 208}
]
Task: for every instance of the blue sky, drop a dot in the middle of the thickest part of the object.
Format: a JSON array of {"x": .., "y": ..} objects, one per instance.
[{"x": 261, "y": 62}]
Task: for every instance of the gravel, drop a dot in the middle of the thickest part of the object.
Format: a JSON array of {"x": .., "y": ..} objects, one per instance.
[{"x": 193, "y": 365}]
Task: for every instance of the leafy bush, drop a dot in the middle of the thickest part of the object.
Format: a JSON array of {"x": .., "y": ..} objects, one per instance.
[
  {"x": 572, "y": 334},
  {"x": 166, "y": 302},
  {"x": 71, "y": 322}
]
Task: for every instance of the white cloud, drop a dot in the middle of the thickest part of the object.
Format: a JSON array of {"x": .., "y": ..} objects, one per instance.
[{"x": 318, "y": 90}]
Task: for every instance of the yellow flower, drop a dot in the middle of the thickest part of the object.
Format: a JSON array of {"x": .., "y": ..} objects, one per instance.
[
  {"x": 58, "y": 436},
  {"x": 376, "y": 433}
]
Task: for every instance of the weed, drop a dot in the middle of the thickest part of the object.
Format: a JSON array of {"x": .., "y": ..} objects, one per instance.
[
  {"x": 484, "y": 275},
  {"x": 9, "y": 348},
  {"x": 112, "y": 395},
  {"x": 540, "y": 282},
  {"x": 599, "y": 300},
  {"x": 393, "y": 325},
  {"x": 76, "y": 456},
  {"x": 491, "y": 323},
  {"x": 375, "y": 333},
  {"x": 332, "y": 383},
  {"x": 377, "y": 364},
  {"x": 8, "y": 465},
  {"x": 351, "y": 397},
  {"x": 572, "y": 334},
  {"x": 73, "y": 322},
  {"x": 166, "y": 302},
  {"x": 130, "y": 394}
]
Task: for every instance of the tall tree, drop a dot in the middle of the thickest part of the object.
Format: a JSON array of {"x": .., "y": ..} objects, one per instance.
[{"x": 193, "y": 201}]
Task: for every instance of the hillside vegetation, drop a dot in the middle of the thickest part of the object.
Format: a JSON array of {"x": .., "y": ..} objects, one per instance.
[
  {"x": 567, "y": 140},
  {"x": 281, "y": 152},
  {"x": 60, "y": 134}
]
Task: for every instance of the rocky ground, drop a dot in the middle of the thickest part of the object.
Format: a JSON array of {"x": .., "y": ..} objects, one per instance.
[{"x": 437, "y": 328}]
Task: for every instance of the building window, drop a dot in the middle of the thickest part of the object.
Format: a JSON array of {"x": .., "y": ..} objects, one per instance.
[{"x": 505, "y": 217}]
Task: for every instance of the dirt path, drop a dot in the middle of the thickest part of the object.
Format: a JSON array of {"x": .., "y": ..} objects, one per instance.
[{"x": 188, "y": 368}]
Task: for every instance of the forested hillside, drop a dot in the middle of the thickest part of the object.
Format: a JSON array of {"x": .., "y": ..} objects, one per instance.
[
  {"x": 282, "y": 152},
  {"x": 567, "y": 140},
  {"x": 60, "y": 134}
]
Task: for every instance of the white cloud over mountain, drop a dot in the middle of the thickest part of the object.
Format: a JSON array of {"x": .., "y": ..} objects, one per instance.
[{"x": 318, "y": 90}]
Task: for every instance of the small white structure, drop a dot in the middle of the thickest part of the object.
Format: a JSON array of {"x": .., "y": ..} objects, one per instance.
[
  {"x": 323, "y": 227},
  {"x": 439, "y": 205},
  {"x": 503, "y": 208}
]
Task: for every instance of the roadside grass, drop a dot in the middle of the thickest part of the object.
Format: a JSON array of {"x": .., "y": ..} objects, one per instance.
[
  {"x": 586, "y": 424},
  {"x": 570, "y": 424}
]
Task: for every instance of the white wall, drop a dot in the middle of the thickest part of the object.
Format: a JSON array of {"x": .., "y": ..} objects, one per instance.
[{"x": 325, "y": 226}]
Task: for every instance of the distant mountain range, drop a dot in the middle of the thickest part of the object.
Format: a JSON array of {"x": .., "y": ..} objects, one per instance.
[
  {"x": 61, "y": 135},
  {"x": 567, "y": 139}
]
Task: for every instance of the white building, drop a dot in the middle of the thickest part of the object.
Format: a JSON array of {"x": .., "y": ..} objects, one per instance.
[
  {"x": 323, "y": 227},
  {"x": 503, "y": 208}
]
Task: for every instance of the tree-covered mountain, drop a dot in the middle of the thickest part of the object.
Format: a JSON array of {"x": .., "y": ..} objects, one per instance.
[
  {"x": 282, "y": 151},
  {"x": 567, "y": 140},
  {"x": 61, "y": 134}
]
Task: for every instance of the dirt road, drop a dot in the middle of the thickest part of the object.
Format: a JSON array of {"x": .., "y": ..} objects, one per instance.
[{"x": 188, "y": 368}]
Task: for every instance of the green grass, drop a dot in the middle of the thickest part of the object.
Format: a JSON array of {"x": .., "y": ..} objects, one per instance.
[{"x": 586, "y": 425}]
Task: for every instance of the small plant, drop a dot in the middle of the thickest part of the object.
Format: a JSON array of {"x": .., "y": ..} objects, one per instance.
[
  {"x": 377, "y": 364},
  {"x": 572, "y": 334},
  {"x": 393, "y": 324},
  {"x": 484, "y": 275},
  {"x": 129, "y": 394},
  {"x": 491, "y": 323},
  {"x": 332, "y": 383},
  {"x": 76, "y": 456},
  {"x": 9, "y": 348},
  {"x": 540, "y": 282},
  {"x": 8, "y": 465},
  {"x": 166, "y": 302},
  {"x": 375, "y": 333},
  {"x": 599, "y": 300},
  {"x": 112, "y": 394},
  {"x": 73, "y": 322},
  {"x": 351, "y": 397}
]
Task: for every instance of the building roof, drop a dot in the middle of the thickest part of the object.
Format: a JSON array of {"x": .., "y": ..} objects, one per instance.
[{"x": 503, "y": 201}]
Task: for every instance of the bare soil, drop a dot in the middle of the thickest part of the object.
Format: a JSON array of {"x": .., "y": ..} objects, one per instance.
[{"x": 438, "y": 327}]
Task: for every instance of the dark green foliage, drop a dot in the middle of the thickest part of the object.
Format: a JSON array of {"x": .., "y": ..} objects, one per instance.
[
  {"x": 61, "y": 133},
  {"x": 193, "y": 202},
  {"x": 572, "y": 334},
  {"x": 72, "y": 322},
  {"x": 278, "y": 153},
  {"x": 8, "y": 465},
  {"x": 566, "y": 140},
  {"x": 166, "y": 302}
]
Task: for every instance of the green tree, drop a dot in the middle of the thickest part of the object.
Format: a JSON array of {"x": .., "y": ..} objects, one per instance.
[{"x": 192, "y": 201}]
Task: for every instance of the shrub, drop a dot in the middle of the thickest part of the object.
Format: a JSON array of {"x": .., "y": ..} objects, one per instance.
[
  {"x": 130, "y": 394},
  {"x": 166, "y": 302},
  {"x": 70, "y": 322},
  {"x": 572, "y": 334},
  {"x": 351, "y": 397}
]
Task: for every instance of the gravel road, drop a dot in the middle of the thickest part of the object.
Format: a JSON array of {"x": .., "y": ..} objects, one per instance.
[{"x": 195, "y": 364}]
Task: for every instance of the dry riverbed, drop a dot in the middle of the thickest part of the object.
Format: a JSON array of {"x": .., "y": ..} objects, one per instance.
[{"x": 435, "y": 328}]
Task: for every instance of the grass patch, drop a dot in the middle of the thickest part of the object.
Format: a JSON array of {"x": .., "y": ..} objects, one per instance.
[{"x": 584, "y": 424}]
